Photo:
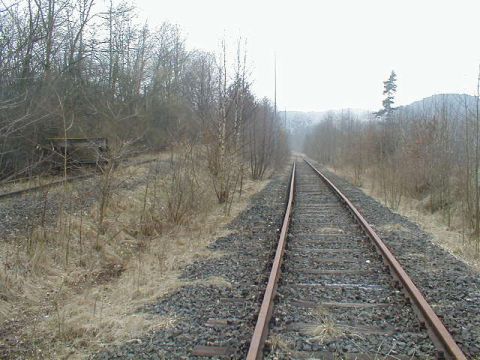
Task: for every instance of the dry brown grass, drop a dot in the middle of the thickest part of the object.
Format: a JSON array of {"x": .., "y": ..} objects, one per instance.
[
  {"x": 322, "y": 328},
  {"x": 280, "y": 344},
  {"x": 322, "y": 332},
  {"x": 451, "y": 239},
  {"x": 74, "y": 290},
  {"x": 331, "y": 230}
]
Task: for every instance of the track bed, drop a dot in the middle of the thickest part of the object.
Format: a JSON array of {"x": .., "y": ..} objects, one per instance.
[{"x": 336, "y": 298}]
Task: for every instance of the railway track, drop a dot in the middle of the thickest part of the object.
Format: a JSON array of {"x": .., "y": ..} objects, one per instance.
[
  {"x": 336, "y": 292},
  {"x": 70, "y": 179},
  {"x": 330, "y": 294}
]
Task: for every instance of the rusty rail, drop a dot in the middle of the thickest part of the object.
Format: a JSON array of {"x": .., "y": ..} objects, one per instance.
[
  {"x": 44, "y": 186},
  {"x": 60, "y": 182},
  {"x": 261, "y": 329},
  {"x": 440, "y": 336}
]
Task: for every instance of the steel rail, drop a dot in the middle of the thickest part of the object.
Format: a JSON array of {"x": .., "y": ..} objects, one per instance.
[
  {"x": 45, "y": 186},
  {"x": 62, "y": 181},
  {"x": 440, "y": 336},
  {"x": 260, "y": 333}
]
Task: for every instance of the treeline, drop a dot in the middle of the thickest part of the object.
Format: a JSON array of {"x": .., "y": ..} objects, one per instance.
[
  {"x": 429, "y": 151},
  {"x": 69, "y": 70}
]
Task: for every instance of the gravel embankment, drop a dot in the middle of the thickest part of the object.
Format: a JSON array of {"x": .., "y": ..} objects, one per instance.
[
  {"x": 244, "y": 266},
  {"x": 449, "y": 285}
]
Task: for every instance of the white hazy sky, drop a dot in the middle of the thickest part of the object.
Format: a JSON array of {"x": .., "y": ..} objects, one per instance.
[{"x": 335, "y": 54}]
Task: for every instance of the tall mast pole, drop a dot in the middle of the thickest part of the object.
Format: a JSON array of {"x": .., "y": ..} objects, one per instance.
[{"x": 275, "y": 81}]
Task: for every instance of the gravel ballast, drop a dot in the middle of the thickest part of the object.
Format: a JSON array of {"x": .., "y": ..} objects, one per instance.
[
  {"x": 448, "y": 284},
  {"x": 336, "y": 298}
]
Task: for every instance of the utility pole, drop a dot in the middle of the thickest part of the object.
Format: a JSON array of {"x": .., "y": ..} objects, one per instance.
[
  {"x": 477, "y": 165},
  {"x": 275, "y": 84}
]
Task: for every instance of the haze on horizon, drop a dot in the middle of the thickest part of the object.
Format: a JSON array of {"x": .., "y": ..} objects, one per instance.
[{"x": 335, "y": 54}]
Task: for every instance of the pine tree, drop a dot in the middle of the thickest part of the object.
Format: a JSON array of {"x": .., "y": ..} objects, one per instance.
[{"x": 390, "y": 88}]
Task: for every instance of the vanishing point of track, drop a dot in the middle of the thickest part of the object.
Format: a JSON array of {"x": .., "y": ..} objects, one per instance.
[{"x": 332, "y": 263}]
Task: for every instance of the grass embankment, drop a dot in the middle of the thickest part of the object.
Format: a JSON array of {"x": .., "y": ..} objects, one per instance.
[{"x": 73, "y": 287}]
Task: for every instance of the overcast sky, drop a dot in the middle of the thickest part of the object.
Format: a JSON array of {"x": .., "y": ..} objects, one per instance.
[{"x": 335, "y": 54}]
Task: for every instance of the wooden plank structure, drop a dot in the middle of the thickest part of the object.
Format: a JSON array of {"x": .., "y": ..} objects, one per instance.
[{"x": 79, "y": 151}]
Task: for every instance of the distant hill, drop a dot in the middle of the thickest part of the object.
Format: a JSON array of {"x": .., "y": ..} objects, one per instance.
[
  {"x": 297, "y": 119},
  {"x": 299, "y": 122},
  {"x": 454, "y": 105}
]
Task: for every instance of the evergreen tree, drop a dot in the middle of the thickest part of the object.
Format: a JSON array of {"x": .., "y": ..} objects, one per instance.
[{"x": 389, "y": 89}]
